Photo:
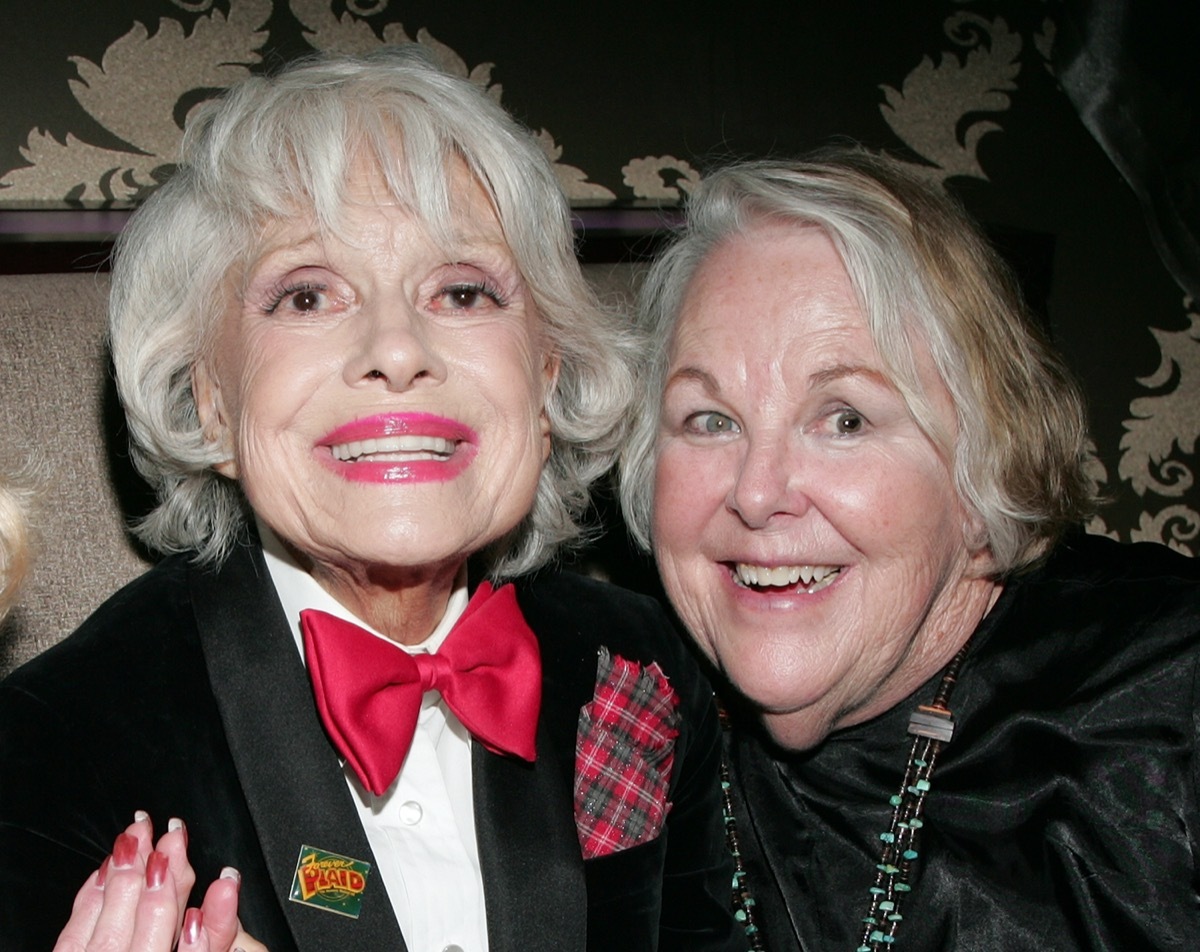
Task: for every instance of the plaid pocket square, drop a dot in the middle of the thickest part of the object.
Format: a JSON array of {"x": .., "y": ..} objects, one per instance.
[{"x": 624, "y": 751}]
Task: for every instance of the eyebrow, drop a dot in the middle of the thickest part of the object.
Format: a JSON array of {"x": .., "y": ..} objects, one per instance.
[
  {"x": 702, "y": 377},
  {"x": 301, "y": 246},
  {"x": 468, "y": 248},
  {"x": 828, "y": 375},
  {"x": 822, "y": 377}
]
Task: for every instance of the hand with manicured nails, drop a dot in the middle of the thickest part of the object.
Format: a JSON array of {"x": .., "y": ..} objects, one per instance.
[{"x": 136, "y": 900}]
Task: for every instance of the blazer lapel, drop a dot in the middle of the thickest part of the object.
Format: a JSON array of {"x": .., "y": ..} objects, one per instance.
[
  {"x": 290, "y": 774},
  {"x": 533, "y": 876}
]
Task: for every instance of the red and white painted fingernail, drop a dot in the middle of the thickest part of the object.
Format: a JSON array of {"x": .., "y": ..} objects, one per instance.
[
  {"x": 124, "y": 851},
  {"x": 156, "y": 870},
  {"x": 193, "y": 919}
]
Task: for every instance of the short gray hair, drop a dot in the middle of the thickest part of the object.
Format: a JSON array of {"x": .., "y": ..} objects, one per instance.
[
  {"x": 270, "y": 146},
  {"x": 917, "y": 263}
]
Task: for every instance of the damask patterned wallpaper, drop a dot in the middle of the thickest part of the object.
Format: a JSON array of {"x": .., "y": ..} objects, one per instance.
[{"x": 1022, "y": 108}]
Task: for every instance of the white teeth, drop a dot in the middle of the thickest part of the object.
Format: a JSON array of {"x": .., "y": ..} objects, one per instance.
[
  {"x": 393, "y": 448},
  {"x": 813, "y": 577}
]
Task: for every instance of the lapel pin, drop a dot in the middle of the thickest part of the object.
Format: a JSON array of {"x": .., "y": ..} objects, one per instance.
[{"x": 329, "y": 881}]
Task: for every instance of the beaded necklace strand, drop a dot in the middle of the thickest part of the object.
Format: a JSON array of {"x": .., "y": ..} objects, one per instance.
[
  {"x": 743, "y": 899},
  {"x": 932, "y": 727}
]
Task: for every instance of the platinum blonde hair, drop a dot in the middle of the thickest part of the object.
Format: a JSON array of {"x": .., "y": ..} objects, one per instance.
[
  {"x": 280, "y": 147},
  {"x": 924, "y": 277}
]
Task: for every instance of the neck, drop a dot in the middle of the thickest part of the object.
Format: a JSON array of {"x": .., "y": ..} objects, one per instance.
[
  {"x": 946, "y": 628},
  {"x": 405, "y": 605},
  {"x": 407, "y": 612}
]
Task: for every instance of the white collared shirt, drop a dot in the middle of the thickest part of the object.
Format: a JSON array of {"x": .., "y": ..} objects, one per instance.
[{"x": 422, "y": 830}]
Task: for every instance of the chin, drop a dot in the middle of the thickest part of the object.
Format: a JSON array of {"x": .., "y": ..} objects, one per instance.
[
  {"x": 792, "y": 713},
  {"x": 779, "y": 681},
  {"x": 795, "y": 731},
  {"x": 398, "y": 550}
]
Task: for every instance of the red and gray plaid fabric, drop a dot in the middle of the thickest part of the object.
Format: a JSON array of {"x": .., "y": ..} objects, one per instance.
[{"x": 623, "y": 756}]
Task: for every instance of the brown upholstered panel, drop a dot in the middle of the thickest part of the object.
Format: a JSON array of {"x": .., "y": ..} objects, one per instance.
[{"x": 58, "y": 403}]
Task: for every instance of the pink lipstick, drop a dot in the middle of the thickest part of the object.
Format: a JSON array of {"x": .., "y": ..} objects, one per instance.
[{"x": 399, "y": 447}]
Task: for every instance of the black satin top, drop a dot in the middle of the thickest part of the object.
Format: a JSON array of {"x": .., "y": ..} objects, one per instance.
[{"x": 1063, "y": 814}]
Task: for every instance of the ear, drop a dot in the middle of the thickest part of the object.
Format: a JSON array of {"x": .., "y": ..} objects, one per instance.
[
  {"x": 210, "y": 408},
  {"x": 982, "y": 563},
  {"x": 551, "y": 364}
]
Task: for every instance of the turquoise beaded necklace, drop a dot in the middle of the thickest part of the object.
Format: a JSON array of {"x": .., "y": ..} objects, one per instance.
[
  {"x": 932, "y": 727},
  {"x": 743, "y": 898}
]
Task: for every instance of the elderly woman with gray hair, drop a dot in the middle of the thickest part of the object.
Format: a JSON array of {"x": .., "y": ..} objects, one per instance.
[
  {"x": 356, "y": 351},
  {"x": 957, "y": 722}
]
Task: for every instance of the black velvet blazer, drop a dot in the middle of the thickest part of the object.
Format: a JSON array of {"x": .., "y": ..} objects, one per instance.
[{"x": 184, "y": 695}]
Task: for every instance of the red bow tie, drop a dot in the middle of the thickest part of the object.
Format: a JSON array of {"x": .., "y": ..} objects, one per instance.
[{"x": 369, "y": 692}]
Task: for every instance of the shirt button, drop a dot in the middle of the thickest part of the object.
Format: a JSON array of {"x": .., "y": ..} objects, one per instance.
[
  {"x": 453, "y": 948},
  {"x": 410, "y": 815}
]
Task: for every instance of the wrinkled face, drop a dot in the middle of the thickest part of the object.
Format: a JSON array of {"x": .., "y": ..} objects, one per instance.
[
  {"x": 382, "y": 396},
  {"x": 806, "y": 529}
]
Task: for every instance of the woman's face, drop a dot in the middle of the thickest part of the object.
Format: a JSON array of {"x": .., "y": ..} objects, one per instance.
[
  {"x": 382, "y": 396},
  {"x": 806, "y": 529}
]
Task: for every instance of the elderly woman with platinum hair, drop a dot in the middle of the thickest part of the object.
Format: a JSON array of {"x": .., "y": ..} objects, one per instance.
[
  {"x": 958, "y": 723},
  {"x": 356, "y": 351}
]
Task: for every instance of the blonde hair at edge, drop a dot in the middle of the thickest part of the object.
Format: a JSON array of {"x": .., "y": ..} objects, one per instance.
[
  {"x": 280, "y": 147},
  {"x": 16, "y": 502},
  {"x": 922, "y": 273}
]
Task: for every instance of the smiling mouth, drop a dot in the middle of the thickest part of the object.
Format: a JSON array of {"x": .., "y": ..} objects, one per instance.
[
  {"x": 394, "y": 449},
  {"x": 810, "y": 578}
]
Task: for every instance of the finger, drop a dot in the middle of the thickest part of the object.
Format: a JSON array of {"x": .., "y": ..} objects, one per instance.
[
  {"x": 142, "y": 830},
  {"x": 84, "y": 913},
  {"x": 220, "y": 909},
  {"x": 174, "y": 844},
  {"x": 244, "y": 942},
  {"x": 156, "y": 915},
  {"x": 193, "y": 938},
  {"x": 196, "y": 937},
  {"x": 123, "y": 884},
  {"x": 88, "y": 917}
]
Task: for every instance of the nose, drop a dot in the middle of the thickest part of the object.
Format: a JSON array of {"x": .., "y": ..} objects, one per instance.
[
  {"x": 767, "y": 484},
  {"x": 392, "y": 346}
]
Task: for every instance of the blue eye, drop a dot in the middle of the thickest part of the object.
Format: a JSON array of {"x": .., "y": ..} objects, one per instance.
[{"x": 711, "y": 422}]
